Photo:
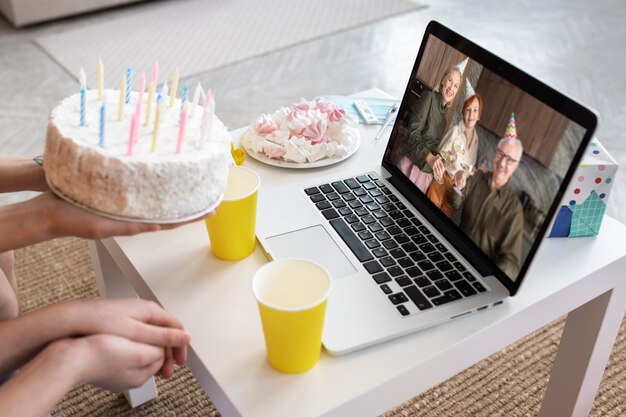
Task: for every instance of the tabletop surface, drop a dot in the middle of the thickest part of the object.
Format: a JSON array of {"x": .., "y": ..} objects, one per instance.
[{"x": 214, "y": 300}]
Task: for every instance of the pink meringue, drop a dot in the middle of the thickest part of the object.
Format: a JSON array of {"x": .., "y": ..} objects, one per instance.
[
  {"x": 332, "y": 111},
  {"x": 316, "y": 132},
  {"x": 265, "y": 125},
  {"x": 273, "y": 150}
]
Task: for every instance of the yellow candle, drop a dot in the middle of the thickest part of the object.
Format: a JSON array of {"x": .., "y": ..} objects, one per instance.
[
  {"x": 174, "y": 87},
  {"x": 120, "y": 107},
  {"x": 100, "y": 78},
  {"x": 149, "y": 105},
  {"x": 155, "y": 132}
]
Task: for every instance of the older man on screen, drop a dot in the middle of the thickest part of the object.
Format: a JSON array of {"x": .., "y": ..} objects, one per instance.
[{"x": 492, "y": 215}]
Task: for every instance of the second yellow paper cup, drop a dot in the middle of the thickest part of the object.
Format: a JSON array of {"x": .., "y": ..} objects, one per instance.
[
  {"x": 232, "y": 228},
  {"x": 292, "y": 295}
]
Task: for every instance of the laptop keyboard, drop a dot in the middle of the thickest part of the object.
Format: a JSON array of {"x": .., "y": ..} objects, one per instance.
[{"x": 393, "y": 245}]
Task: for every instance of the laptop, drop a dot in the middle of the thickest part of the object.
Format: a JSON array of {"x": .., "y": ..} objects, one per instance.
[{"x": 400, "y": 261}]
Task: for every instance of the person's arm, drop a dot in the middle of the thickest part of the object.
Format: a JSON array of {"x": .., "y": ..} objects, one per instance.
[
  {"x": 110, "y": 362},
  {"x": 138, "y": 320},
  {"x": 47, "y": 217},
  {"x": 21, "y": 173},
  {"x": 509, "y": 257},
  {"x": 417, "y": 125}
]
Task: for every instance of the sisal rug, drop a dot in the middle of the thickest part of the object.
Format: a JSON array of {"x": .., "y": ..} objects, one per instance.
[
  {"x": 200, "y": 35},
  {"x": 509, "y": 383}
]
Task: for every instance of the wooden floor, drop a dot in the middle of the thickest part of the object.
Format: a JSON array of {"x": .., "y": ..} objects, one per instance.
[{"x": 578, "y": 46}]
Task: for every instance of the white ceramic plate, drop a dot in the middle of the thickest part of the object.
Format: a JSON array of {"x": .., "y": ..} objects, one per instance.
[
  {"x": 134, "y": 219},
  {"x": 303, "y": 165}
]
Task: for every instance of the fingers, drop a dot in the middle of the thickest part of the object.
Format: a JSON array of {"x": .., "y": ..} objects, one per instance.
[
  {"x": 160, "y": 336},
  {"x": 167, "y": 370},
  {"x": 180, "y": 355}
]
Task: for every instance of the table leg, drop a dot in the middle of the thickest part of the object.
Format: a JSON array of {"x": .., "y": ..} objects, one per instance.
[
  {"x": 584, "y": 351},
  {"x": 112, "y": 284}
]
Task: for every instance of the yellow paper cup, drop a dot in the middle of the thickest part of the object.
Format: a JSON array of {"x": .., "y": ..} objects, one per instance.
[
  {"x": 232, "y": 228},
  {"x": 292, "y": 295}
]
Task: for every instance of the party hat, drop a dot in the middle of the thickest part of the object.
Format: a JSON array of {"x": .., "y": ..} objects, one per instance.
[
  {"x": 511, "y": 132},
  {"x": 461, "y": 65},
  {"x": 469, "y": 90}
]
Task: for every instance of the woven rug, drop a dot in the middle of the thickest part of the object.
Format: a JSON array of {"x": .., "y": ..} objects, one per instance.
[
  {"x": 200, "y": 35},
  {"x": 509, "y": 383}
]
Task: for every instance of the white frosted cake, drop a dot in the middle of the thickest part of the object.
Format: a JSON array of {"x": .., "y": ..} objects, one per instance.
[
  {"x": 146, "y": 183},
  {"x": 306, "y": 132}
]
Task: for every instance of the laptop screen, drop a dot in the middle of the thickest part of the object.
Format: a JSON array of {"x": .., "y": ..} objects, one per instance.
[{"x": 487, "y": 148}]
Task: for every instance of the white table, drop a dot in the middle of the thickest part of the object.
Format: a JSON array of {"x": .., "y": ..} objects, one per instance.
[{"x": 213, "y": 299}]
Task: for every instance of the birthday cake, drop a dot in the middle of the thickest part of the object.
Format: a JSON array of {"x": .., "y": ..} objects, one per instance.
[
  {"x": 107, "y": 157},
  {"x": 306, "y": 132}
]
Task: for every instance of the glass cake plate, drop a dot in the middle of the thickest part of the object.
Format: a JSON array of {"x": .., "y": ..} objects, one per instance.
[
  {"x": 134, "y": 219},
  {"x": 303, "y": 165}
]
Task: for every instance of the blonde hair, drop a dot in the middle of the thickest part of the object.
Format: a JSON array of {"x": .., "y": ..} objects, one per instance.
[{"x": 448, "y": 72}]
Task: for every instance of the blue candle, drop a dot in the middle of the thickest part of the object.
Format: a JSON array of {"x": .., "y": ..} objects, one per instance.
[
  {"x": 102, "y": 123},
  {"x": 183, "y": 97},
  {"x": 83, "y": 85},
  {"x": 129, "y": 82}
]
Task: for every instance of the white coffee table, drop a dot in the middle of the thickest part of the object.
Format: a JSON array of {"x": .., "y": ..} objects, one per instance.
[{"x": 213, "y": 298}]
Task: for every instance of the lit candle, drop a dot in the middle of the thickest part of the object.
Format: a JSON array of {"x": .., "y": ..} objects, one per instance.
[
  {"x": 181, "y": 130},
  {"x": 120, "y": 107},
  {"x": 196, "y": 99},
  {"x": 174, "y": 87},
  {"x": 151, "y": 91},
  {"x": 83, "y": 84},
  {"x": 183, "y": 97},
  {"x": 133, "y": 133},
  {"x": 129, "y": 83},
  {"x": 102, "y": 122},
  {"x": 157, "y": 117},
  {"x": 100, "y": 78}
]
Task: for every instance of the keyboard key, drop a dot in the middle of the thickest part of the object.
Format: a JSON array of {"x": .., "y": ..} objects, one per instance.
[
  {"x": 373, "y": 176},
  {"x": 405, "y": 262},
  {"x": 396, "y": 214},
  {"x": 333, "y": 196},
  {"x": 372, "y": 243},
  {"x": 458, "y": 265},
  {"x": 387, "y": 261},
  {"x": 339, "y": 204},
  {"x": 443, "y": 284},
  {"x": 403, "y": 222},
  {"x": 348, "y": 197},
  {"x": 365, "y": 235},
  {"x": 403, "y": 310},
  {"x": 355, "y": 204},
  {"x": 417, "y": 256},
  {"x": 432, "y": 238},
  {"x": 361, "y": 211},
  {"x": 397, "y": 253},
  {"x": 382, "y": 199},
  {"x": 345, "y": 211},
  {"x": 393, "y": 198},
  {"x": 352, "y": 183},
  {"x": 312, "y": 190},
  {"x": 409, "y": 247},
  {"x": 413, "y": 271},
  {"x": 386, "y": 289},
  {"x": 404, "y": 281},
  {"x": 326, "y": 188},
  {"x": 389, "y": 207},
  {"x": 362, "y": 178},
  {"x": 401, "y": 238},
  {"x": 441, "y": 300},
  {"x": 453, "y": 294},
  {"x": 398, "y": 298},
  {"x": 444, "y": 266},
  {"x": 369, "y": 185},
  {"x": 395, "y": 271},
  {"x": 330, "y": 214},
  {"x": 323, "y": 205},
  {"x": 352, "y": 218},
  {"x": 357, "y": 227},
  {"x": 373, "y": 267},
  {"x": 435, "y": 257},
  {"x": 353, "y": 242},
  {"x": 381, "y": 278},
  {"x": 359, "y": 192},
  {"x": 390, "y": 244},
  {"x": 479, "y": 287},
  {"x": 387, "y": 191},
  {"x": 427, "y": 247},
  {"x": 340, "y": 187},
  {"x": 366, "y": 199},
  {"x": 434, "y": 275},
  {"x": 417, "y": 297},
  {"x": 431, "y": 291},
  {"x": 316, "y": 198},
  {"x": 449, "y": 256},
  {"x": 468, "y": 276},
  {"x": 401, "y": 206},
  {"x": 453, "y": 275},
  {"x": 379, "y": 252},
  {"x": 394, "y": 230},
  {"x": 419, "y": 239},
  {"x": 465, "y": 288},
  {"x": 424, "y": 230},
  {"x": 383, "y": 235},
  {"x": 373, "y": 207},
  {"x": 411, "y": 231},
  {"x": 441, "y": 247},
  {"x": 376, "y": 193},
  {"x": 409, "y": 215},
  {"x": 379, "y": 183},
  {"x": 415, "y": 221},
  {"x": 387, "y": 222},
  {"x": 368, "y": 219},
  {"x": 379, "y": 214},
  {"x": 375, "y": 227},
  {"x": 423, "y": 282},
  {"x": 426, "y": 265}
]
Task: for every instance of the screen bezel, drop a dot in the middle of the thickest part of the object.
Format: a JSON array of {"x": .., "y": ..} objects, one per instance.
[{"x": 574, "y": 111}]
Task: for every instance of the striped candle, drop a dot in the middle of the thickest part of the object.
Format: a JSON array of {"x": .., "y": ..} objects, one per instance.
[
  {"x": 157, "y": 119},
  {"x": 133, "y": 133},
  {"x": 102, "y": 122},
  {"x": 151, "y": 90},
  {"x": 181, "y": 130},
  {"x": 208, "y": 110},
  {"x": 183, "y": 97},
  {"x": 196, "y": 99},
  {"x": 129, "y": 83},
  {"x": 100, "y": 79},
  {"x": 174, "y": 87},
  {"x": 83, "y": 85}
]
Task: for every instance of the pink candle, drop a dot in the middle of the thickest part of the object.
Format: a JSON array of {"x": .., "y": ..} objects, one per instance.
[
  {"x": 142, "y": 87},
  {"x": 133, "y": 133},
  {"x": 181, "y": 129}
]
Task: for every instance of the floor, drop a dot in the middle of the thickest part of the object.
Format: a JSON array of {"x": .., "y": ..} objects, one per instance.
[{"x": 577, "y": 46}]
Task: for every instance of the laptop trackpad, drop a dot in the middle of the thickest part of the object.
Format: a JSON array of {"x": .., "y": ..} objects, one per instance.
[{"x": 313, "y": 244}]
